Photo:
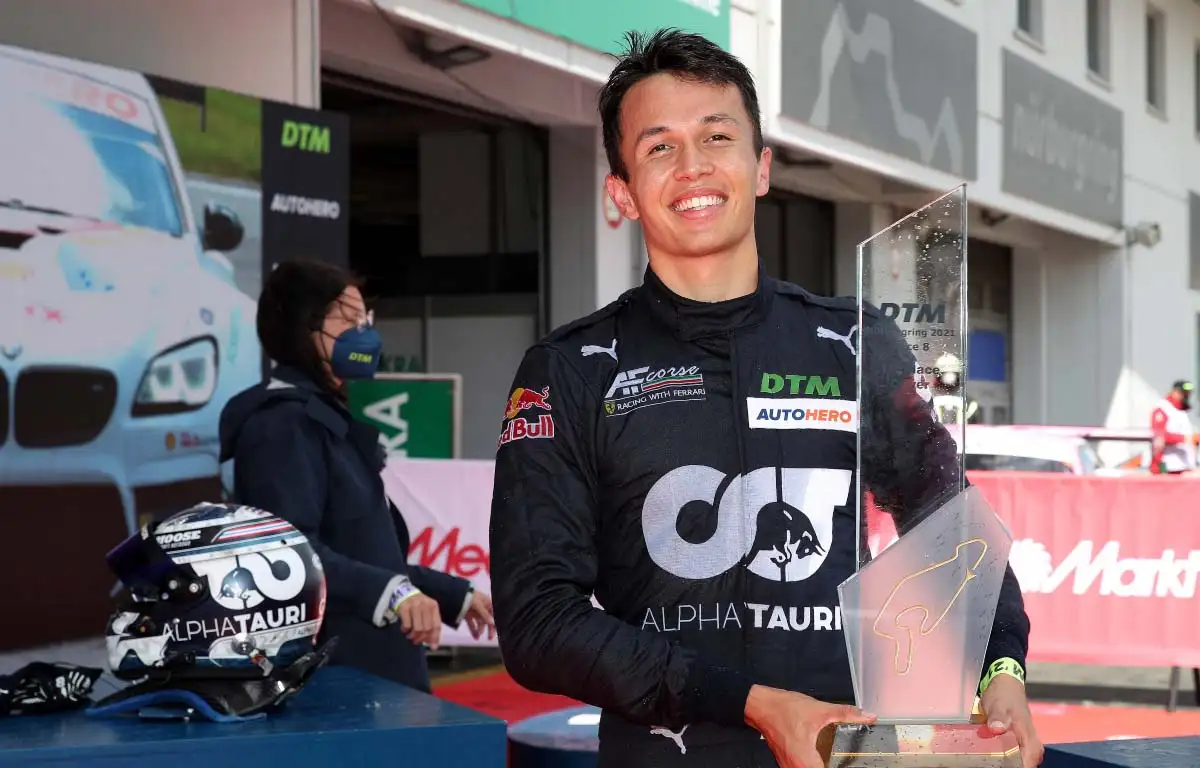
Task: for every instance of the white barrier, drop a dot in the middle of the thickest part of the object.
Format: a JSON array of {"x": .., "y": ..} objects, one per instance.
[{"x": 446, "y": 504}]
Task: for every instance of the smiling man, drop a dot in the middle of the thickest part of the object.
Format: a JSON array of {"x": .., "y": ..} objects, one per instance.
[{"x": 687, "y": 455}]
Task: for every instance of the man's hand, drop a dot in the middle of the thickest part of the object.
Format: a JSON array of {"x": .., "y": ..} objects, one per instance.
[
  {"x": 790, "y": 722},
  {"x": 421, "y": 620},
  {"x": 1006, "y": 709},
  {"x": 479, "y": 615}
]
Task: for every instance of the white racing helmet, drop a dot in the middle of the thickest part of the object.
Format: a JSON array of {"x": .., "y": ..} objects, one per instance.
[{"x": 224, "y": 609}]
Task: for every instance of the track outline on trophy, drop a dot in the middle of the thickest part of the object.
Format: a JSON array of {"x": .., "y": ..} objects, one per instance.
[{"x": 904, "y": 645}]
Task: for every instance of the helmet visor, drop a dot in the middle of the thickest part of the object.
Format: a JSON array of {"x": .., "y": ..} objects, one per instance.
[{"x": 142, "y": 565}]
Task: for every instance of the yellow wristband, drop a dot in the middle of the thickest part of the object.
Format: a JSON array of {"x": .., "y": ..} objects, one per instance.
[{"x": 1004, "y": 666}]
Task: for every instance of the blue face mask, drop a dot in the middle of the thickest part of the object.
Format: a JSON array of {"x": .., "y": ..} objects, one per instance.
[{"x": 356, "y": 353}]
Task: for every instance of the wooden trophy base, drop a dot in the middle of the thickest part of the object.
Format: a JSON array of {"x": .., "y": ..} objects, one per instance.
[{"x": 918, "y": 745}]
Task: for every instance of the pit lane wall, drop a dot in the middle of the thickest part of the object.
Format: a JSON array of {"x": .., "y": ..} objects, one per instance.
[
  {"x": 1108, "y": 574},
  {"x": 138, "y": 215}
]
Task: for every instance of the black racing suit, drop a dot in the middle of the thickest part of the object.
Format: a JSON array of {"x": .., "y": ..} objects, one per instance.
[{"x": 636, "y": 457}]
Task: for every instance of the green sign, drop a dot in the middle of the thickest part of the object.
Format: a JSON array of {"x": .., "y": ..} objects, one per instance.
[
  {"x": 601, "y": 24},
  {"x": 419, "y": 416}
]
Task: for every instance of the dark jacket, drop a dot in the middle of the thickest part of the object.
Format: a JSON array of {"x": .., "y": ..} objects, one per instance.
[
  {"x": 693, "y": 465},
  {"x": 298, "y": 454}
]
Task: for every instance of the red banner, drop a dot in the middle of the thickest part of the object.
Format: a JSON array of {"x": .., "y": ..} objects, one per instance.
[{"x": 1108, "y": 565}]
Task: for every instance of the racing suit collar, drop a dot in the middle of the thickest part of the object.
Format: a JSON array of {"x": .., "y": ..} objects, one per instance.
[{"x": 691, "y": 319}]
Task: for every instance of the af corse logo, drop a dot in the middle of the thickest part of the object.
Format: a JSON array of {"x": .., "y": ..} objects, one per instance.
[
  {"x": 639, "y": 387},
  {"x": 776, "y": 523}
]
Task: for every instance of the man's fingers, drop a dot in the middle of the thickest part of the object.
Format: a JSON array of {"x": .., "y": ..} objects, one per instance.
[
  {"x": 851, "y": 714},
  {"x": 405, "y": 613},
  {"x": 1000, "y": 722},
  {"x": 1031, "y": 746}
]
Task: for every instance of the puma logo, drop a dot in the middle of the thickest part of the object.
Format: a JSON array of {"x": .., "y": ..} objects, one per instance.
[
  {"x": 591, "y": 349},
  {"x": 672, "y": 735},
  {"x": 825, "y": 333}
]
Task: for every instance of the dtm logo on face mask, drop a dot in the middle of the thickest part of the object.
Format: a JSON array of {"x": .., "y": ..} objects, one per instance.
[{"x": 776, "y": 523}]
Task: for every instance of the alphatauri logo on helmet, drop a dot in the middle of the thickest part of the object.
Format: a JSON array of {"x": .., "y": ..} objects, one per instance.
[
  {"x": 246, "y": 581},
  {"x": 776, "y": 523},
  {"x": 177, "y": 539}
]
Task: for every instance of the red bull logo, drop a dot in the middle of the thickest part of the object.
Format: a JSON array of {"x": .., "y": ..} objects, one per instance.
[
  {"x": 523, "y": 429},
  {"x": 523, "y": 399}
]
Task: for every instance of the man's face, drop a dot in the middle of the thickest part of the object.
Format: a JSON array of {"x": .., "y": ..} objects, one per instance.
[{"x": 693, "y": 171}]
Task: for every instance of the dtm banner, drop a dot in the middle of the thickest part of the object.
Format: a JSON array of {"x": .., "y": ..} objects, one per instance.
[
  {"x": 1108, "y": 565},
  {"x": 306, "y": 185},
  {"x": 447, "y": 505},
  {"x": 136, "y": 214}
]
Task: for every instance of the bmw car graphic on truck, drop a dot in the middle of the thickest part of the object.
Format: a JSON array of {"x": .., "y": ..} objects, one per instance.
[{"x": 122, "y": 333}]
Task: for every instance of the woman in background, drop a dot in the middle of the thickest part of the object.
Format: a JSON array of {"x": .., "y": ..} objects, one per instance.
[{"x": 300, "y": 455}]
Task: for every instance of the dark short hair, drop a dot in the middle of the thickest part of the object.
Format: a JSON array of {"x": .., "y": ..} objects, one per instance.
[
  {"x": 295, "y": 299},
  {"x": 682, "y": 54}
]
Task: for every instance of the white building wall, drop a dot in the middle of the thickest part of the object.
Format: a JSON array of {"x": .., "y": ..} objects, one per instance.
[
  {"x": 1099, "y": 330},
  {"x": 265, "y": 48}
]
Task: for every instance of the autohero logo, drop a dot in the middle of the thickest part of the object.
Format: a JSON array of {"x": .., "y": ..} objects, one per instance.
[
  {"x": 312, "y": 207},
  {"x": 177, "y": 539},
  {"x": 1105, "y": 572},
  {"x": 641, "y": 387},
  {"x": 802, "y": 413},
  {"x": 795, "y": 384},
  {"x": 522, "y": 399}
]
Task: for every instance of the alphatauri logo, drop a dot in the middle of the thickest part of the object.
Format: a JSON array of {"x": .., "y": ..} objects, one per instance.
[{"x": 776, "y": 523}]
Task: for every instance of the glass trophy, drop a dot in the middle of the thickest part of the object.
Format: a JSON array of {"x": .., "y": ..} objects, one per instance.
[{"x": 918, "y": 616}]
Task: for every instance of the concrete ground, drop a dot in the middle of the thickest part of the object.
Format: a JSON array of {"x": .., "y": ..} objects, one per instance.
[{"x": 1072, "y": 683}]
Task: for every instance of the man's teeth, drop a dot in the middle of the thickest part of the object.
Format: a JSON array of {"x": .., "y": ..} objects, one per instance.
[{"x": 694, "y": 203}]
